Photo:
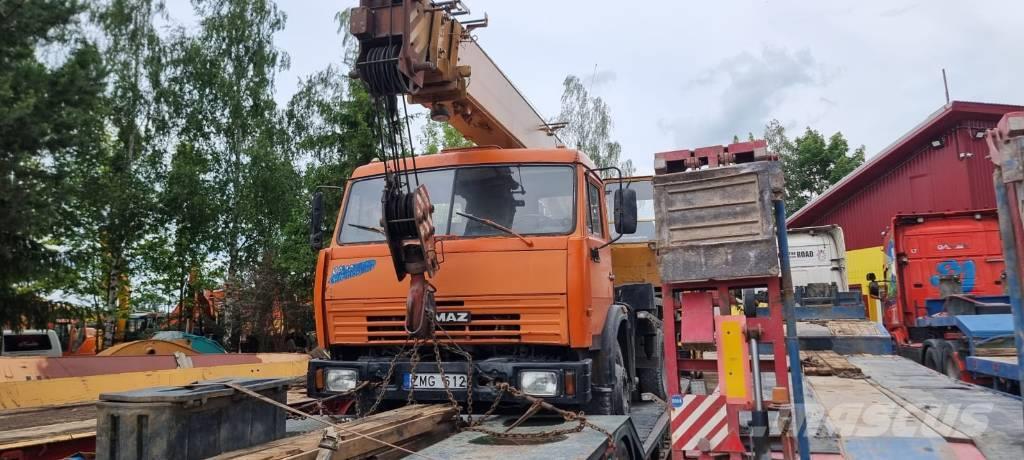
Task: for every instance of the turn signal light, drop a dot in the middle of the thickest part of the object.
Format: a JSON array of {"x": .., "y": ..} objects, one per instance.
[{"x": 570, "y": 383}]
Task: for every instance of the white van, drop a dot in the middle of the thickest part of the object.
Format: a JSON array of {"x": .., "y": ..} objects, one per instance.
[
  {"x": 818, "y": 255},
  {"x": 31, "y": 342}
]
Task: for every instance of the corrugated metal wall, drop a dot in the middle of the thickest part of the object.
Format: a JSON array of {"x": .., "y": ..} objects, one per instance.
[{"x": 931, "y": 179}]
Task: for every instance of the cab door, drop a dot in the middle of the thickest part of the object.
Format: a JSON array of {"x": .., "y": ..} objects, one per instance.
[{"x": 598, "y": 260}]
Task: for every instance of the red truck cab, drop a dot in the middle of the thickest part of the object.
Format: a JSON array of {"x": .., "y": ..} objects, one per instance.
[{"x": 923, "y": 251}]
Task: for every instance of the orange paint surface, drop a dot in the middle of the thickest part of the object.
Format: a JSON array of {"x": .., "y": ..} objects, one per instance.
[{"x": 549, "y": 293}]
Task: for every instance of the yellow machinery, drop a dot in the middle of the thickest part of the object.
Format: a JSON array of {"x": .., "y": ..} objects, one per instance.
[
  {"x": 36, "y": 382},
  {"x": 634, "y": 257}
]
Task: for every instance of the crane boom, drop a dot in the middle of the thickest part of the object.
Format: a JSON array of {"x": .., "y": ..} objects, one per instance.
[
  {"x": 492, "y": 111},
  {"x": 431, "y": 58},
  {"x": 418, "y": 50}
]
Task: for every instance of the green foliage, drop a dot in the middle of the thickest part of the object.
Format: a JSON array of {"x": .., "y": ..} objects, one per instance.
[
  {"x": 154, "y": 162},
  {"x": 221, "y": 82},
  {"x": 331, "y": 124},
  {"x": 112, "y": 186},
  {"x": 589, "y": 125},
  {"x": 49, "y": 115},
  {"x": 187, "y": 206},
  {"x": 437, "y": 136},
  {"x": 810, "y": 162}
]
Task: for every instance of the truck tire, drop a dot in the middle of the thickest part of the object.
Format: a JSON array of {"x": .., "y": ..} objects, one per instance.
[
  {"x": 949, "y": 364},
  {"x": 622, "y": 450},
  {"x": 933, "y": 355},
  {"x": 614, "y": 397},
  {"x": 621, "y": 396},
  {"x": 652, "y": 380}
]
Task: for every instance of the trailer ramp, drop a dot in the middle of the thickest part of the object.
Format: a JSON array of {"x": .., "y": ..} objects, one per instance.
[
  {"x": 992, "y": 420},
  {"x": 898, "y": 406}
]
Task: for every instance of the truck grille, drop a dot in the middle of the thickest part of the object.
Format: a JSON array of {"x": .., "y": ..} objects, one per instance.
[
  {"x": 535, "y": 319},
  {"x": 480, "y": 327}
]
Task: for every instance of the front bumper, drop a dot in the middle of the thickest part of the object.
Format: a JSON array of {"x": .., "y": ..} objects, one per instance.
[{"x": 496, "y": 370}]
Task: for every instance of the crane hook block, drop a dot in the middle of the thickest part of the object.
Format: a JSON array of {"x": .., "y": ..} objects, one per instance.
[{"x": 408, "y": 46}]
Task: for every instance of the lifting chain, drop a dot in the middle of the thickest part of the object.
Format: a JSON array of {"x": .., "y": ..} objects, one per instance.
[
  {"x": 383, "y": 385},
  {"x": 536, "y": 404},
  {"x": 471, "y": 424},
  {"x": 414, "y": 362}
]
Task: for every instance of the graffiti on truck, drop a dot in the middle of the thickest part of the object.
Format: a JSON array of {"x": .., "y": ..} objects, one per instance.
[
  {"x": 965, "y": 270},
  {"x": 344, "y": 272}
]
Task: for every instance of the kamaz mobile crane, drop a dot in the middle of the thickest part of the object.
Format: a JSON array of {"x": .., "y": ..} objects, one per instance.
[{"x": 505, "y": 245}]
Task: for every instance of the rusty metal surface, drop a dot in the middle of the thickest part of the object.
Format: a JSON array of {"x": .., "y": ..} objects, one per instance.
[
  {"x": 712, "y": 156},
  {"x": 717, "y": 224}
]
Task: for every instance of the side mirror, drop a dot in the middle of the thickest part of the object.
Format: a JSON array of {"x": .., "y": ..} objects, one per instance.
[
  {"x": 316, "y": 221},
  {"x": 625, "y": 211}
]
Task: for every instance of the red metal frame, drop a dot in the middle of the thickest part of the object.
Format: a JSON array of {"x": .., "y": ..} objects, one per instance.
[
  {"x": 770, "y": 327},
  {"x": 711, "y": 156}
]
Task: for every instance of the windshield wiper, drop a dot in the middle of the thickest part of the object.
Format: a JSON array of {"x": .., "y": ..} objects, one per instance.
[
  {"x": 368, "y": 228},
  {"x": 496, "y": 225}
]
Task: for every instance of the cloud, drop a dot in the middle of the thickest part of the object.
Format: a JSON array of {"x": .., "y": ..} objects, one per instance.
[{"x": 740, "y": 93}]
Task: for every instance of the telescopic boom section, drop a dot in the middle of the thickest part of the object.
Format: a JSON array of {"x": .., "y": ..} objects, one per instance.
[{"x": 417, "y": 48}]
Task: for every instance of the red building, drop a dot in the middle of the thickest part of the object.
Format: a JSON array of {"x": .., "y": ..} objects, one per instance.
[{"x": 940, "y": 165}]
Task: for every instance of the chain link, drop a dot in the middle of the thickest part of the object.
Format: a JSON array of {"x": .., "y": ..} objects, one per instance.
[
  {"x": 503, "y": 387},
  {"x": 500, "y": 389},
  {"x": 414, "y": 362},
  {"x": 448, "y": 391},
  {"x": 383, "y": 384}
]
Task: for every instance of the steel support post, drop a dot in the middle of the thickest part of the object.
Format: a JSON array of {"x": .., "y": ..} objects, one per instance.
[{"x": 792, "y": 343}]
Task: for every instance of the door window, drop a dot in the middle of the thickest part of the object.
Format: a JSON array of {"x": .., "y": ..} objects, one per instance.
[{"x": 594, "y": 210}]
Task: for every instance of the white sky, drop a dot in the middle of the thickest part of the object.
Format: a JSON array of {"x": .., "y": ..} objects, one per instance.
[{"x": 685, "y": 74}]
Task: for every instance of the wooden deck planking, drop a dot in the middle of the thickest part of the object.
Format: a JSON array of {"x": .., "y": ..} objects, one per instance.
[{"x": 405, "y": 425}]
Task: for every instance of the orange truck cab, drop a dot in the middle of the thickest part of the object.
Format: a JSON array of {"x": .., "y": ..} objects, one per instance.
[{"x": 535, "y": 309}]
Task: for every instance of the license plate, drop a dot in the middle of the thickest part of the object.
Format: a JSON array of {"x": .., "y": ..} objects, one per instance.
[
  {"x": 434, "y": 381},
  {"x": 452, "y": 317}
]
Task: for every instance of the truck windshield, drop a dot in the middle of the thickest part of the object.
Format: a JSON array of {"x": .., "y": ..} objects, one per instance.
[
  {"x": 644, "y": 209},
  {"x": 528, "y": 199}
]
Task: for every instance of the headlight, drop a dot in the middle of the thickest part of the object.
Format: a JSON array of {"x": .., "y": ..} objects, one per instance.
[
  {"x": 341, "y": 380},
  {"x": 539, "y": 383}
]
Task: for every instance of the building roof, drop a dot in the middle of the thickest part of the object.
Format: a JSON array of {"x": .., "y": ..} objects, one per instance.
[{"x": 897, "y": 152}]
